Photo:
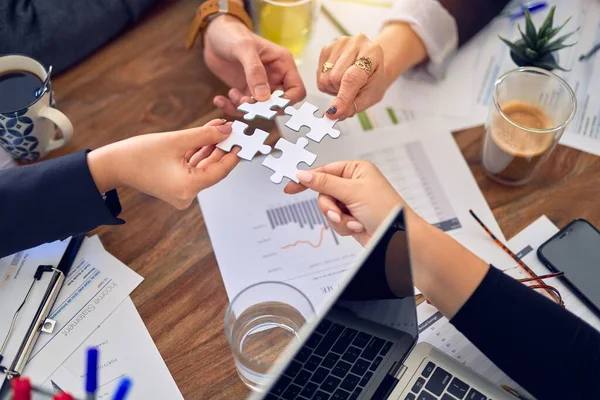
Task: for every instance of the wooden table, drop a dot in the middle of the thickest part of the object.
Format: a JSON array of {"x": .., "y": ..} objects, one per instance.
[{"x": 145, "y": 81}]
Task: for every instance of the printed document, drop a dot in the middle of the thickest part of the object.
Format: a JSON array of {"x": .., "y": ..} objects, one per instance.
[
  {"x": 125, "y": 349},
  {"x": 97, "y": 283},
  {"x": 261, "y": 234}
]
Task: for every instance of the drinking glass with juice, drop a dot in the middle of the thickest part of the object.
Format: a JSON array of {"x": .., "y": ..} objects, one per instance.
[{"x": 285, "y": 22}]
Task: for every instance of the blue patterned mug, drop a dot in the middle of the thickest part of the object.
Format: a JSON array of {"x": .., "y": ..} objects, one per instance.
[{"x": 29, "y": 132}]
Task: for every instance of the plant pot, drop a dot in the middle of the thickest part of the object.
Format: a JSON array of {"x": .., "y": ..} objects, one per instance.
[{"x": 526, "y": 63}]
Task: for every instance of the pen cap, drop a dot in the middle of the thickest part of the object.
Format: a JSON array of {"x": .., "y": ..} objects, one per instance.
[
  {"x": 62, "y": 396},
  {"x": 21, "y": 388},
  {"x": 91, "y": 382},
  {"x": 123, "y": 388}
]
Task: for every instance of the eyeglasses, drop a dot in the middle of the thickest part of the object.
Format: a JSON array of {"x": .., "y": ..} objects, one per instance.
[{"x": 551, "y": 291}]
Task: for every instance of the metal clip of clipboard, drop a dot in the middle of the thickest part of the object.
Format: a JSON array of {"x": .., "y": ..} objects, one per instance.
[{"x": 41, "y": 321}]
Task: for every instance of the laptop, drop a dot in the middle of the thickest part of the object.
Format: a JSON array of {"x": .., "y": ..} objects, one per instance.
[{"x": 359, "y": 347}]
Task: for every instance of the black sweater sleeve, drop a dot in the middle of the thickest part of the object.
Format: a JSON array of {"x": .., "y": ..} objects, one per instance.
[
  {"x": 543, "y": 347},
  {"x": 51, "y": 200},
  {"x": 62, "y": 33}
]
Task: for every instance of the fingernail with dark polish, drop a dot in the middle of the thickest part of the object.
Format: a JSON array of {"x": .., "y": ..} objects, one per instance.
[{"x": 332, "y": 110}]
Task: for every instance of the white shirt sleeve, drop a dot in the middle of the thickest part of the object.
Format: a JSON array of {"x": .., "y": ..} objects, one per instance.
[{"x": 435, "y": 26}]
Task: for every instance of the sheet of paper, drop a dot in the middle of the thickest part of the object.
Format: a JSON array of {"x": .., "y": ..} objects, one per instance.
[
  {"x": 261, "y": 234},
  {"x": 126, "y": 349},
  {"x": 350, "y": 14},
  {"x": 381, "y": 115},
  {"x": 436, "y": 329},
  {"x": 95, "y": 286}
]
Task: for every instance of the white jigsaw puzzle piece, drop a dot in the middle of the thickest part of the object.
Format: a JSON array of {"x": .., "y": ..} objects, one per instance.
[
  {"x": 287, "y": 164},
  {"x": 263, "y": 108},
  {"x": 304, "y": 116},
  {"x": 250, "y": 144}
]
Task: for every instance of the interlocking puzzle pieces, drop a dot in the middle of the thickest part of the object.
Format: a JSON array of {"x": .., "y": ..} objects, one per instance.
[
  {"x": 263, "y": 108},
  {"x": 250, "y": 144},
  {"x": 287, "y": 164},
  {"x": 304, "y": 116}
]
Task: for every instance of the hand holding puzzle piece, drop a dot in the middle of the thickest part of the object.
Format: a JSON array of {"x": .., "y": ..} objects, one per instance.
[{"x": 293, "y": 153}]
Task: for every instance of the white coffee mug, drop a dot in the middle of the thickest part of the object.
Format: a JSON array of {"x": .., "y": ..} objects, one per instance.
[{"x": 29, "y": 133}]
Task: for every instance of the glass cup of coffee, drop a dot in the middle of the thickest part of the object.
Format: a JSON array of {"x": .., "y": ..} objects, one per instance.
[
  {"x": 530, "y": 110},
  {"x": 259, "y": 323}
]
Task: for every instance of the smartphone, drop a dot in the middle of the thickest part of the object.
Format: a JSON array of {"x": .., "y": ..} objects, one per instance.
[{"x": 575, "y": 250}]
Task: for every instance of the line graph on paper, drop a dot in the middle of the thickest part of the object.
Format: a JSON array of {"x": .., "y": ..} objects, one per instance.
[
  {"x": 304, "y": 214},
  {"x": 298, "y": 246}
]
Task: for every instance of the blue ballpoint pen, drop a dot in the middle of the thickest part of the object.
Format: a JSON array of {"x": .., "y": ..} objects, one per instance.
[
  {"x": 123, "y": 388},
  {"x": 91, "y": 381},
  {"x": 519, "y": 12}
]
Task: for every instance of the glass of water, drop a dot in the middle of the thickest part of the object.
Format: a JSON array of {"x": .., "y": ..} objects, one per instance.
[{"x": 259, "y": 323}]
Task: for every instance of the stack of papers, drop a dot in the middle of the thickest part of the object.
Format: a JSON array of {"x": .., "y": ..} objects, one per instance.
[{"x": 92, "y": 309}]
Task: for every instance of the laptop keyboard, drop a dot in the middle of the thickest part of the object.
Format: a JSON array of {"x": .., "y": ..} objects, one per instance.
[
  {"x": 435, "y": 383},
  {"x": 336, "y": 363}
]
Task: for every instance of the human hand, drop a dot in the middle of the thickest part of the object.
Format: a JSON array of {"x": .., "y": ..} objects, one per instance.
[
  {"x": 249, "y": 64},
  {"x": 354, "y": 88},
  {"x": 353, "y": 195},
  {"x": 172, "y": 166}
]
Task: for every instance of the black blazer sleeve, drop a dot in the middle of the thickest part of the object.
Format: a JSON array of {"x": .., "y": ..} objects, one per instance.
[
  {"x": 51, "y": 200},
  {"x": 543, "y": 347}
]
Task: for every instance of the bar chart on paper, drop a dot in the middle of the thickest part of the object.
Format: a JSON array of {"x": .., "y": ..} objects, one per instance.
[
  {"x": 298, "y": 246},
  {"x": 305, "y": 215},
  {"x": 410, "y": 171}
]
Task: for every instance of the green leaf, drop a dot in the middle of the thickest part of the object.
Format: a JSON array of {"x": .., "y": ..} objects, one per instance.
[
  {"x": 541, "y": 44},
  {"x": 529, "y": 27},
  {"x": 528, "y": 41},
  {"x": 552, "y": 47},
  {"x": 531, "y": 54},
  {"x": 519, "y": 51},
  {"x": 554, "y": 31},
  {"x": 547, "y": 22},
  {"x": 562, "y": 39}
]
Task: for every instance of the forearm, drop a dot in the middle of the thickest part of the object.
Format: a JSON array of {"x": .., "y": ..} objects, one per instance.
[
  {"x": 105, "y": 167},
  {"x": 402, "y": 49},
  {"x": 445, "y": 272}
]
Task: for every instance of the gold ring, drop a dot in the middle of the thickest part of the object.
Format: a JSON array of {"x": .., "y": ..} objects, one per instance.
[
  {"x": 327, "y": 66},
  {"x": 365, "y": 64}
]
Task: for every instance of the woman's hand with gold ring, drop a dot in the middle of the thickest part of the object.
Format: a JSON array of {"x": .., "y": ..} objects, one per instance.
[
  {"x": 365, "y": 64},
  {"x": 356, "y": 78},
  {"x": 327, "y": 66}
]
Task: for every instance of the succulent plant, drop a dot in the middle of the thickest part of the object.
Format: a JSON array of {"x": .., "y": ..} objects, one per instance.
[{"x": 535, "y": 47}]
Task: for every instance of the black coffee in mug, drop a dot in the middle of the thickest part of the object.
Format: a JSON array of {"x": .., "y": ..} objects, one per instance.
[{"x": 17, "y": 90}]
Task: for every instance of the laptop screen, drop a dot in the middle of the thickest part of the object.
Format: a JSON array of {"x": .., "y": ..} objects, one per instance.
[{"x": 357, "y": 345}]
